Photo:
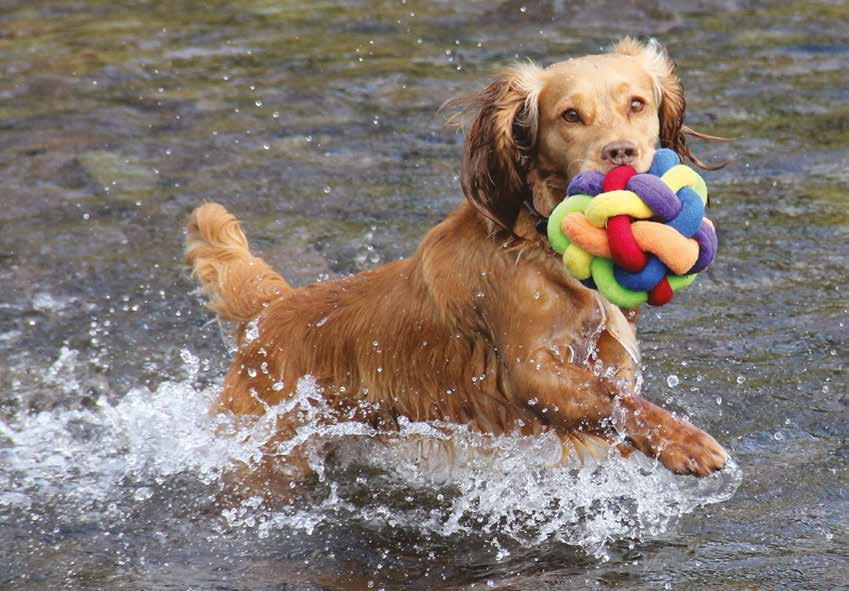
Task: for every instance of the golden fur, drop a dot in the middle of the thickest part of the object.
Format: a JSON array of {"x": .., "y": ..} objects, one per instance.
[{"x": 481, "y": 326}]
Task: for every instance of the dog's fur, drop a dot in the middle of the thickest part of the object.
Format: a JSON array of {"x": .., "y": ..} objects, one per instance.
[{"x": 481, "y": 326}]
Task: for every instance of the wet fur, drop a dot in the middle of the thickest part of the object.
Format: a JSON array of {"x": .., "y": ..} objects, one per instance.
[{"x": 481, "y": 326}]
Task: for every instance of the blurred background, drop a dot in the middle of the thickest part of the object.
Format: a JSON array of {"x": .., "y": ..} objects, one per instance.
[{"x": 317, "y": 124}]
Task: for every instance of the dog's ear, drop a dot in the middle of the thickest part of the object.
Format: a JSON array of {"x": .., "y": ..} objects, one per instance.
[
  {"x": 673, "y": 105},
  {"x": 669, "y": 93},
  {"x": 500, "y": 143}
]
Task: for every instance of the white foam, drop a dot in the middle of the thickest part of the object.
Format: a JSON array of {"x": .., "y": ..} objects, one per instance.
[{"x": 45, "y": 302}]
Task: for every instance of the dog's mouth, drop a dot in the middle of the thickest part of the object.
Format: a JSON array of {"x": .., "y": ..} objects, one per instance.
[{"x": 606, "y": 167}]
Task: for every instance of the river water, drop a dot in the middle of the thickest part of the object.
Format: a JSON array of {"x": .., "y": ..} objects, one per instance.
[{"x": 316, "y": 123}]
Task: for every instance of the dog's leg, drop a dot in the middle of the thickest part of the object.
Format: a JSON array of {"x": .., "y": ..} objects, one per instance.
[
  {"x": 282, "y": 466},
  {"x": 276, "y": 482},
  {"x": 573, "y": 399}
]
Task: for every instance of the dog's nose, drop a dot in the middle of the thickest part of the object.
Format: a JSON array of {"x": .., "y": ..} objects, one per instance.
[{"x": 619, "y": 153}]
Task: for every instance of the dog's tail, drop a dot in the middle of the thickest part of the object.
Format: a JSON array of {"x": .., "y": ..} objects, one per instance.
[{"x": 238, "y": 283}]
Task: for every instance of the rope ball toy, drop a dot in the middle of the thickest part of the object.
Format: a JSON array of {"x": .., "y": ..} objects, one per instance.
[{"x": 636, "y": 238}]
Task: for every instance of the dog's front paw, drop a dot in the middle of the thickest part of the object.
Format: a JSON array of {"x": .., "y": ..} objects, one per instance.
[
  {"x": 679, "y": 445},
  {"x": 689, "y": 450}
]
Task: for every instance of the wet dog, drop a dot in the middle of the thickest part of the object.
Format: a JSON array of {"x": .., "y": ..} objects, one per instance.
[{"x": 482, "y": 326}]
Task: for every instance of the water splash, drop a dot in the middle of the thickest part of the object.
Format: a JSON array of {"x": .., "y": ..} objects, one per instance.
[{"x": 433, "y": 477}]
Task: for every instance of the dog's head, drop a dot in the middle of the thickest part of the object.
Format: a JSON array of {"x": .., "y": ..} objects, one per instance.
[{"x": 536, "y": 128}]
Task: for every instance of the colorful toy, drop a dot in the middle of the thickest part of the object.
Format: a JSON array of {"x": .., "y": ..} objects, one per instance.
[{"x": 636, "y": 238}]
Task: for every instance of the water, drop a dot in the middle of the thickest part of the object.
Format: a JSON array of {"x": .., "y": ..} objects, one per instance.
[{"x": 316, "y": 123}]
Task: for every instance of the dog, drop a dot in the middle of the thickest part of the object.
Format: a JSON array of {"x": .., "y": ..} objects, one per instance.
[{"x": 482, "y": 326}]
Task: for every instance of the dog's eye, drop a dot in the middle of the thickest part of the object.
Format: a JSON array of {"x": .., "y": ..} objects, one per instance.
[
  {"x": 571, "y": 115},
  {"x": 637, "y": 105}
]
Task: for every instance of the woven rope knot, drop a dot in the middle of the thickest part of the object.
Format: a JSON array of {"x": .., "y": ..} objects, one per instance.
[{"x": 636, "y": 238}]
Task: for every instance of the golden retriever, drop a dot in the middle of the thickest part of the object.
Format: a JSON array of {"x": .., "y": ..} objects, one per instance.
[{"x": 481, "y": 326}]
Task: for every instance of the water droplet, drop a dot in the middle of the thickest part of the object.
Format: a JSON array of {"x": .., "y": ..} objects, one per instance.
[
  {"x": 143, "y": 493},
  {"x": 251, "y": 331},
  {"x": 672, "y": 380}
]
